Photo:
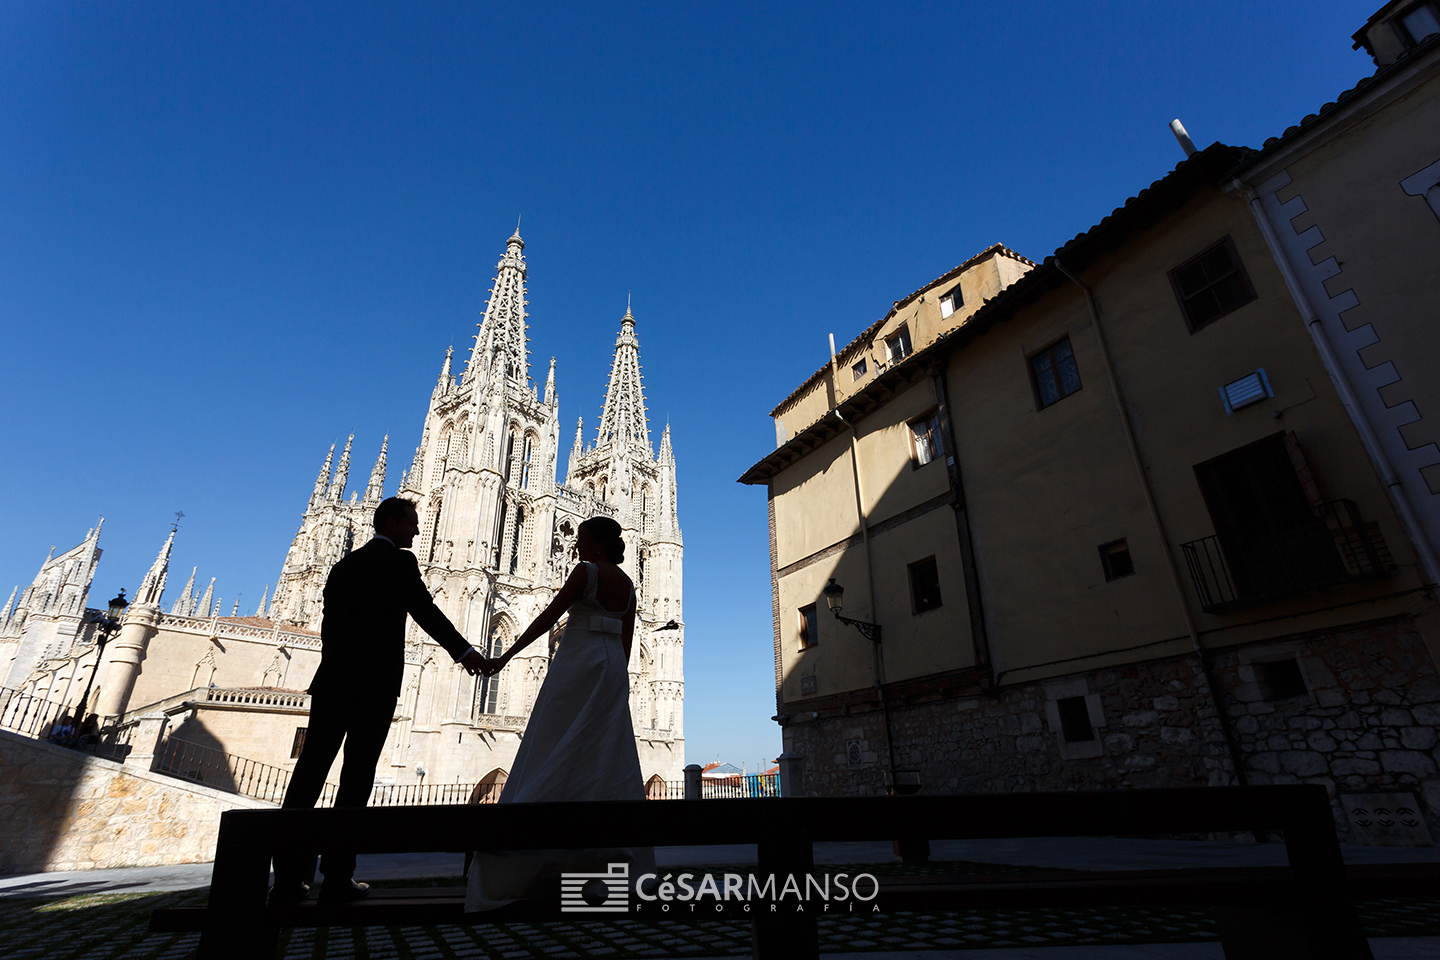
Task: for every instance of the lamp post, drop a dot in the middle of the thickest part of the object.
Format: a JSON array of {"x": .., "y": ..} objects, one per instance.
[
  {"x": 105, "y": 625},
  {"x": 834, "y": 599}
]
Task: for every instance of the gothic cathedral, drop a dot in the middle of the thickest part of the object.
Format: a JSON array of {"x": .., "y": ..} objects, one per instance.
[{"x": 495, "y": 544}]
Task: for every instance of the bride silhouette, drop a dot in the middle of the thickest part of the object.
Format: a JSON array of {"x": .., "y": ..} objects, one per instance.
[{"x": 579, "y": 743}]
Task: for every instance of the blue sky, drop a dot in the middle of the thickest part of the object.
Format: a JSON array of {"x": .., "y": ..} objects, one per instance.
[{"x": 231, "y": 234}]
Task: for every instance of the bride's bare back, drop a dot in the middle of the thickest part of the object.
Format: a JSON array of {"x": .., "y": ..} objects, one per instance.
[{"x": 612, "y": 588}]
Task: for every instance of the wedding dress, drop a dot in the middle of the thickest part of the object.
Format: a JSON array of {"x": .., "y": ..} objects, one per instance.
[{"x": 578, "y": 745}]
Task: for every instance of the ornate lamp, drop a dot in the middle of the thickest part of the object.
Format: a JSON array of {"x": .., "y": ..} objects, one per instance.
[
  {"x": 105, "y": 625},
  {"x": 835, "y": 600}
]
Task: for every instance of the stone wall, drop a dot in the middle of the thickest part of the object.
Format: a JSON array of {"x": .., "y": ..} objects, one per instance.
[
  {"x": 63, "y": 810},
  {"x": 1366, "y": 723}
]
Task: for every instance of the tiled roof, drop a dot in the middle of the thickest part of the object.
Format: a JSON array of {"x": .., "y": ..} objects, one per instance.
[
  {"x": 995, "y": 249},
  {"x": 1136, "y": 213},
  {"x": 1365, "y": 83}
]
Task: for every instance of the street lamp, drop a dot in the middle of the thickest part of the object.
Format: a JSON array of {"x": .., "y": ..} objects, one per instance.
[
  {"x": 902, "y": 782},
  {"x": 105, "y": 625},
  {"x": 834, "y": 599},
  {"x": 672, "y": 625}
]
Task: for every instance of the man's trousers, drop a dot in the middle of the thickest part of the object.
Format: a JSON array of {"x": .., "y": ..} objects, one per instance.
[{"x": 361, "y": 723}]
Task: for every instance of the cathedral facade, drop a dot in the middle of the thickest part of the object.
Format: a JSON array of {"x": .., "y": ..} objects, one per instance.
[{"x": 496, "y": 544}]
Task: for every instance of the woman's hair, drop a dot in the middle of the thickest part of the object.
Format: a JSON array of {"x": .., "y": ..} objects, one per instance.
[{"x": 606, "y": 533}]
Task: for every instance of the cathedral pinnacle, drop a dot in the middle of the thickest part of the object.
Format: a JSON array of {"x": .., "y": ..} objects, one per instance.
[
  {"x": 185, "y": 605},
  {"x": 154, "y": 583},
  {"x": 342, "y": 473},
  {"x": 550, "y": 384},
  {"x": 375, "y": 490},
  {"x": 322, "y": 482},
  {"x": 500, "y": 352},
  {"x": 622, "y": 420},
  {"x": 445, "y": 370}
]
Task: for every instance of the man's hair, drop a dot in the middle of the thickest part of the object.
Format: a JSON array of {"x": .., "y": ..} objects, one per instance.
[{"x": 392, "y": 508}]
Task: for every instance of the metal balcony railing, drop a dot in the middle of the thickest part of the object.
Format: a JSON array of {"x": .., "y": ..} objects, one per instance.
[
  {"x": 219, "y": 770},
  {"x": 1336, "y": 547},
  {"x": 30, "y": 716}
]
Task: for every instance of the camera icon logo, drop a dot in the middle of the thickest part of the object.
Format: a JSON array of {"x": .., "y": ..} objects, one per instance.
[{"x": 607, "y": 892}]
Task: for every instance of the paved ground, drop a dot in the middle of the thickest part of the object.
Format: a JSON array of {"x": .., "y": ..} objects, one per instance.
[{"x": 101, "y": 915}]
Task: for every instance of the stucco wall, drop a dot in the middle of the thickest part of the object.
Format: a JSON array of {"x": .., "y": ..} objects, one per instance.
[{"x": 63, "y": 810}]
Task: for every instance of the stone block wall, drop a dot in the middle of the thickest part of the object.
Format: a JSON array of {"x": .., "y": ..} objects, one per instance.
[
  {"x": 1153, "y": 729},
  {"x": 64, "y": 810},
  {"x": 1368, "y": 722}
]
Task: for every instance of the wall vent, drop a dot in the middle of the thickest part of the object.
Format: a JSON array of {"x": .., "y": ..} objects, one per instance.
[{"x": 1245, "y": 391}]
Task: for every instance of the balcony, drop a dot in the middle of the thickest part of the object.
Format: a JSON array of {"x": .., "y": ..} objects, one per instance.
[{"x": 1337, "y": 546}]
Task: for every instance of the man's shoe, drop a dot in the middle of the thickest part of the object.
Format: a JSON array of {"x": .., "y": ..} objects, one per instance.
[
  {"x": 288, "y": 893},
  {"x": 345, "y": 891}
]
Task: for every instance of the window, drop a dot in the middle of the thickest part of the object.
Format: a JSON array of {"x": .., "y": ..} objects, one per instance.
[
  {"x": 951, "y": 302},
  {"x": 1420, "y": 22},
  {"x": 860, "y": 369},
  {"x": 1074, "y": 720},
  {"x": 809, "y": 627},
  {"x": 299, "y": 743},
  {"x": 525, "y": 461},
  {"x": 929, "y": 444},
  {"x": 1282, "y": 679},
  {"x": 899, "y": 344},
  {"x": 1054, "y": 373},
  {"x": 1211, "y": 285},
  {"x": 1115, "y": 556},
  {"x": 924, "y": 585}
]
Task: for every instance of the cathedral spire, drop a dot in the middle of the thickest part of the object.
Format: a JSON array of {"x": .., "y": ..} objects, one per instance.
[
  {"x": 342, "y": 473},
  {"x": 578, "y": 450},
  {"x": 501, "y": 351},
  {"x": 154, "y": 583},
  {"x": 322, "y": 482},
  {"x": 550, "y": 384},
  {"x": 622, "y": 421},
  {"x": 186, "y": 604},
  {"x": 202, "y": 609},
  {"x": 445, "y": 379},
  {"x": 9, "y": 605},
  {"x": 264, "y": 598},
  {"x": 375, "y": 490}
]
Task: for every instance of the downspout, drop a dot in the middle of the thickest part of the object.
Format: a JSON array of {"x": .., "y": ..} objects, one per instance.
[
  {"x": 1394, "y": 487},
  {"x": 1129, "y": 430},
  {"x": 877, "y": 654},
  {"x": 980, "y": 638}
]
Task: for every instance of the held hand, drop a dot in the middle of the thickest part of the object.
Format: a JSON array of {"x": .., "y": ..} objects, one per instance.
[
  {"x": 493, "y": 667},
  {"x": 474, "y": 663}
]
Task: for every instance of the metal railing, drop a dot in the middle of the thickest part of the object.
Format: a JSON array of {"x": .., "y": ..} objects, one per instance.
[
  {"x": 39, "y": 719},
  {"x": 749, "y": 785},
  {"x": 421, "y": 794},
  {"x": 1336, "y": 547},
  {"x": 219, "y": 770}
]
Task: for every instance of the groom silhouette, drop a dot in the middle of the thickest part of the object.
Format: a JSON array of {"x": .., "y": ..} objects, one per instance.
[{"x": 352, "y": 698}]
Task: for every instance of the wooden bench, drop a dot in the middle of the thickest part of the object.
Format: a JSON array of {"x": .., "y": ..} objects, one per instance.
[{"x": 1303, "y": 910}]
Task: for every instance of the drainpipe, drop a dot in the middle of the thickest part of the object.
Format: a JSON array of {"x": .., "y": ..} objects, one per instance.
[
  {"x": 1129, "y": 430},
  {"x": 980, "y": 639},
  {"x": 878, "y": 655},
  {"x": 1393, "y": 485}
]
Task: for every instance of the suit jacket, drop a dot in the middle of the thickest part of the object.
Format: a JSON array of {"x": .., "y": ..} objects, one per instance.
[{"x": 362, "y": 634}]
